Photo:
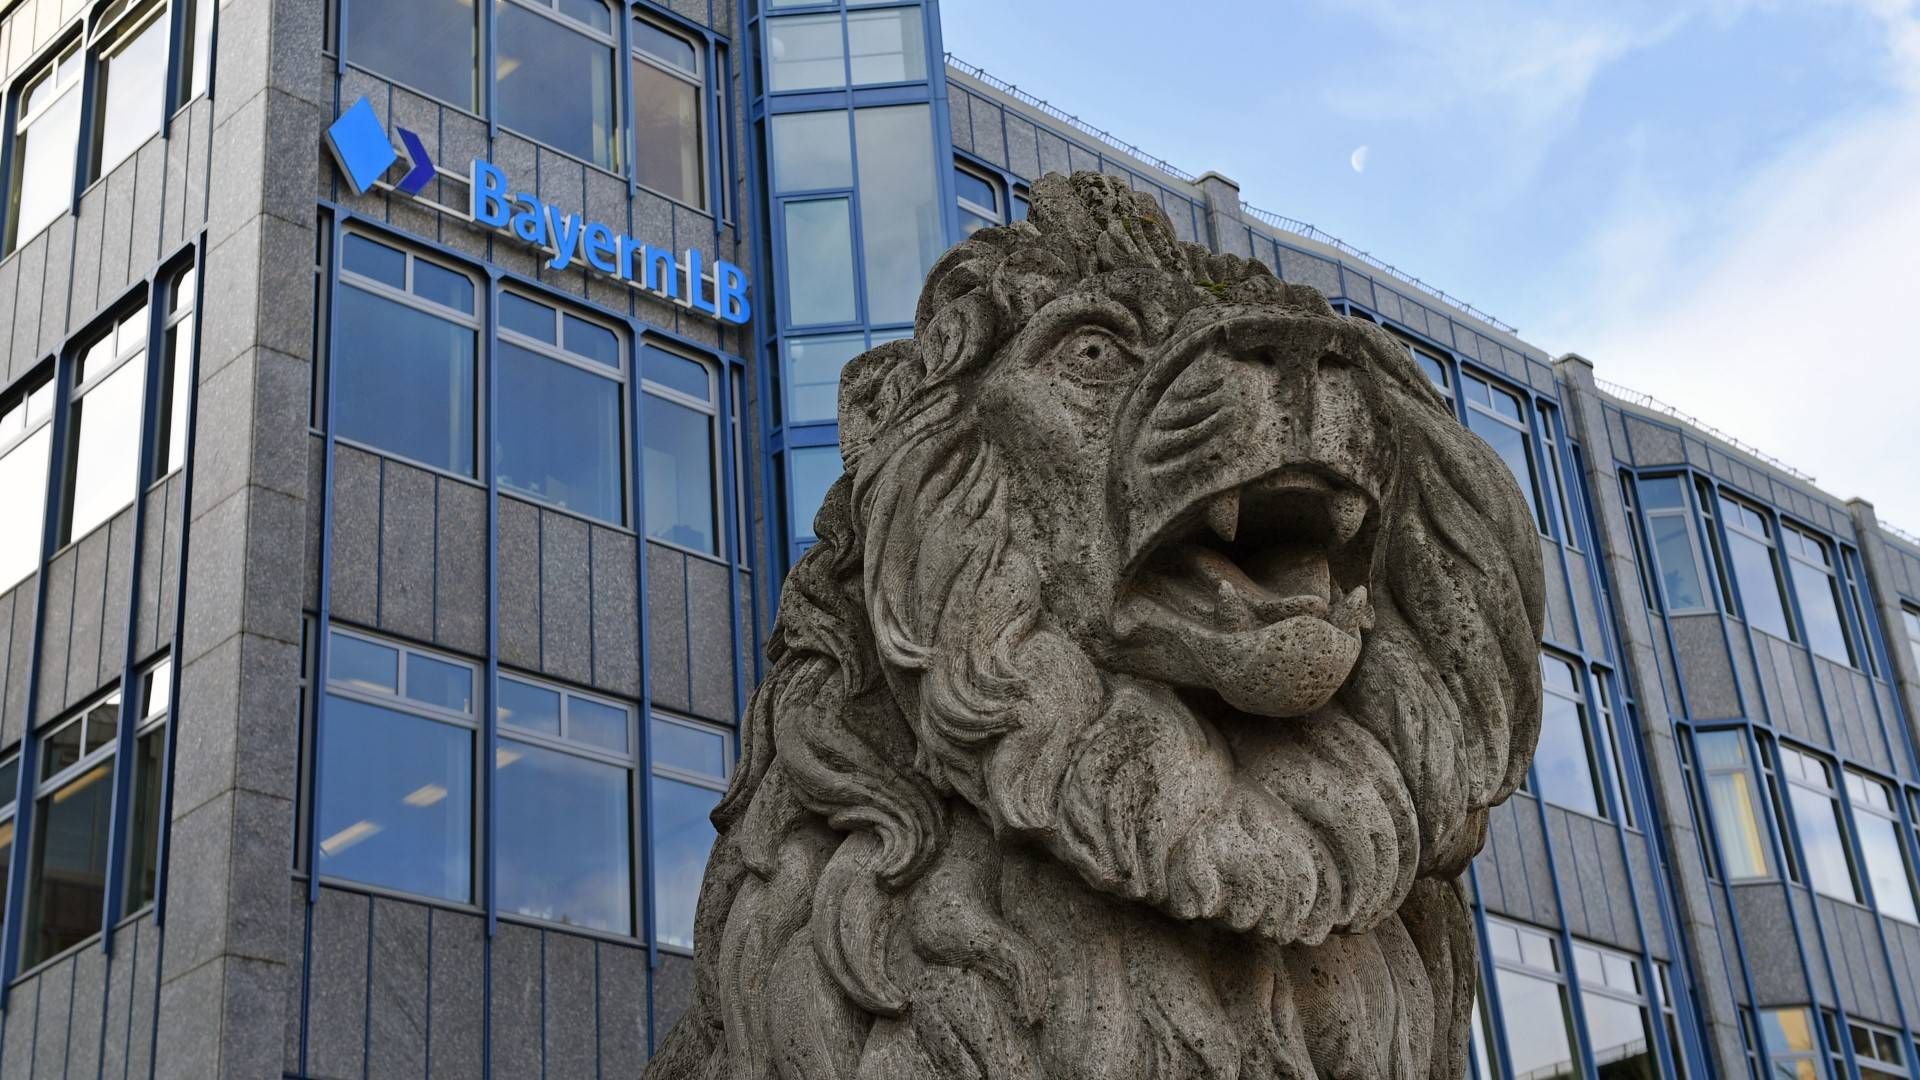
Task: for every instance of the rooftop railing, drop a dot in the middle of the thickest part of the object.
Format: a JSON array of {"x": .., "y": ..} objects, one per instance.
[
  {"x": 1268, "y": 217},
  {"x": 1294, "y": 225},
  {"x": 1654, "y": 404}
]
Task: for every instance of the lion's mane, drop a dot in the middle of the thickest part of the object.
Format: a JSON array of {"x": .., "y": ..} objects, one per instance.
[{"x": 898, "y": 765}]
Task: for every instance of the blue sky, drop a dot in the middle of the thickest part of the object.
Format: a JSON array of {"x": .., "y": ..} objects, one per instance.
[{"x": 1717, "y": 201}]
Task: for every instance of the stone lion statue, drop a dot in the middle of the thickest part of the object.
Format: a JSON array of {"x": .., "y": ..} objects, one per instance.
[{"x": 1165, "y": 646}]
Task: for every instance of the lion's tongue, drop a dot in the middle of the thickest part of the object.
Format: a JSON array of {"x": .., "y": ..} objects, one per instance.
[{"x": 1277, "y": 584}]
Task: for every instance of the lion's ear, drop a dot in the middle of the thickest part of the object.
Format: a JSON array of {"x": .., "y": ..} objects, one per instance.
[{"x": 872, "y": 386}]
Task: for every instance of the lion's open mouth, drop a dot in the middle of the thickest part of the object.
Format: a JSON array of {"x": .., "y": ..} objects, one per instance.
[
  {"x": 1258, "y": 592},
  {"x": 1292, "y": 543}
]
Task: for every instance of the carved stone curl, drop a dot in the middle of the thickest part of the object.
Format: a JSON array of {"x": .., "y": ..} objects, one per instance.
[{"x": 1165, "y": 646}]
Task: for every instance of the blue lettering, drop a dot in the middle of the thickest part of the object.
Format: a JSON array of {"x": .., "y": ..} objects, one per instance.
[
  {"x": 564, "y": 229},
  {"x": 487, "y": 199},
  {"x": 528, "y": 225},
  {"x": 629, "y": 247},
  {"x": 597, "y": 246},
  {"x": 730, "y": 289},
  {"x": 659, "y": 274},
  {"x": 696, "y": 288}
]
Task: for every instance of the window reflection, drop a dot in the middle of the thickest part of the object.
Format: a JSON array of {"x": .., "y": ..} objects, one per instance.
[
  {"x": 1564, "y": 760},
  {"x": 1817, "y": 589},
  {"x": 46, "y": 130},
  {"x": 815, "y": 468},
  {"x": 1750, "y": 551},
  {"x": 1817, "y": 823},
  {"x": 819, "y": 258},
  {"x": 430, "y": 45},
  {"x": 1498, "y": 417},
  {"x": 106, "y": 428},
  {"x": 805, "y": 52},
  {"x": 813, "y": 374},
  {"x": 402, "y": 367},
  {"x": 901, "y": 226},
  {"x": 131, "y": 87},
  {"x": 1533, "y": 1002},
  {"x": 562, "y": 837},
  {"x": 1734, "y": 804},
  {"x": 1880, "y": 849},
  {"x": 668, "y": 117},
  {"x": 678, "y": 453},
  {"x": 691, "y": 763},
  {"x": 553, "y": 74},
  {"x": 575, "y": 464},
  {"x": 395, "y": 802}
]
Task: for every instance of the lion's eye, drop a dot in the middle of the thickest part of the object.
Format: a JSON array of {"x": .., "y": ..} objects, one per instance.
[{"x": 1095, "y": 357}]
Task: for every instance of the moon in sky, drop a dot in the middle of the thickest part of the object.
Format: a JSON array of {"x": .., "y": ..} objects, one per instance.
[{"x": 1359, "y": 159}]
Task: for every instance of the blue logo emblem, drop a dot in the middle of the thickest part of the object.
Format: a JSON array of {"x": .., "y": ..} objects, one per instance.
[{"x": 363, "y": 151}]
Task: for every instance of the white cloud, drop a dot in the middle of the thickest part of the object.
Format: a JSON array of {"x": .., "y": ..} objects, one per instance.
[{"x": 1779, "y": 308}]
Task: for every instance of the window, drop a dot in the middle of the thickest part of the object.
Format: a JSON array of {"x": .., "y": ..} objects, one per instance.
[
  {"x": 1817, "y": 822},
  {"x": 679, "y": 410},
  {"x": 26, "y": 440},
  {"x": 1810, "y": 562},
  {"x": 1436, "y": 372},
  {"x": 813, "y": 374},
  {"x": 691, "y": 763},
  {"x": 1750, "y": 551},
  {"x": 1738, "y": 826},
  {"x": 1677, "y": 1052},
  {"x": 1878, "y": 823},
  {"x": 1611, "y": 736},
  {"x": 394, "y": 806},
  {"x": 819, "y": 261},
  {"x": 1564, "y": 761},
  {"x": 813, "y": 152},
  {"x": 1499, "y": 417},
  {"x": 1910, "y": 618},
  {"x": 886, "y": 46},
  {"x": 1486, "y": 1066},
  {"x": 1648, "y": 592},
  {"x": 979, "y": 199},
  {"x": 1557, "y": 494},
  {"x": 196, "y": 65},
  {"x": 553, "y": 75},
  {"x": 1676, "y": 545},
  {"x": 430, "y": 45},
  {"x": 1533, "y": 1001},
  {"x": 72, "y": 817},
  {"x": 402, "y": 361},
  {"x": 130, "y": 81},
  {"x": 805, "y": 52},
  {"x": 109, "y": 387},
  {"x": 563, "y": 778},
  {"x": 9, "y": 800},
  {"x": 1878, "y": 1053},
  {"x": 176, "y": 378},
  {"x": 46, "y": 131},
  {"x": 902, "y": 229},
  {"x": 560, "y": 434},
  {"x": 149, "y": 771},
  {"x": 1613, "y": 1000},
  {"x": 815, "y": 468},
  {"x": 669, "y": 119},
  {"x": 1792, "y": 1051}
]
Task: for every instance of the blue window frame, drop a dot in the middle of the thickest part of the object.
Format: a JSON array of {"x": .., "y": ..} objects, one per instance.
[
  {"x": 103, "y": 460},
  {"x": 1537, "y": 1015},
  {"x": 395, "y": 803},
  {"x": 1565, "y": 762},
  {"x": 1615, "y": 1004},
  {"x": 691, "y": 765},
  {"x": 403, "y": 357},
  {"x": 46, "y": 139},
  {"x": 679, "y": 403},
  {"x": 561, "y": 414},
  {"x": 1676, "y": 543},
  {"x": 1756, "y": 568},
  {"x": 1817, "y": 588},
  {"x": 1819, "y": 825},
  {"x": 72, "y": 830},
  {"x": 149, "y": 772},
  {"x": 815, "y": 468},
  {"x": 667, "y": 73},
  {"x": 1500, "y": 417},
  {"x": 1883, "y": 857},
  {"x": 563, "y": 782},
  {"x": 1739, "y": 819}
]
